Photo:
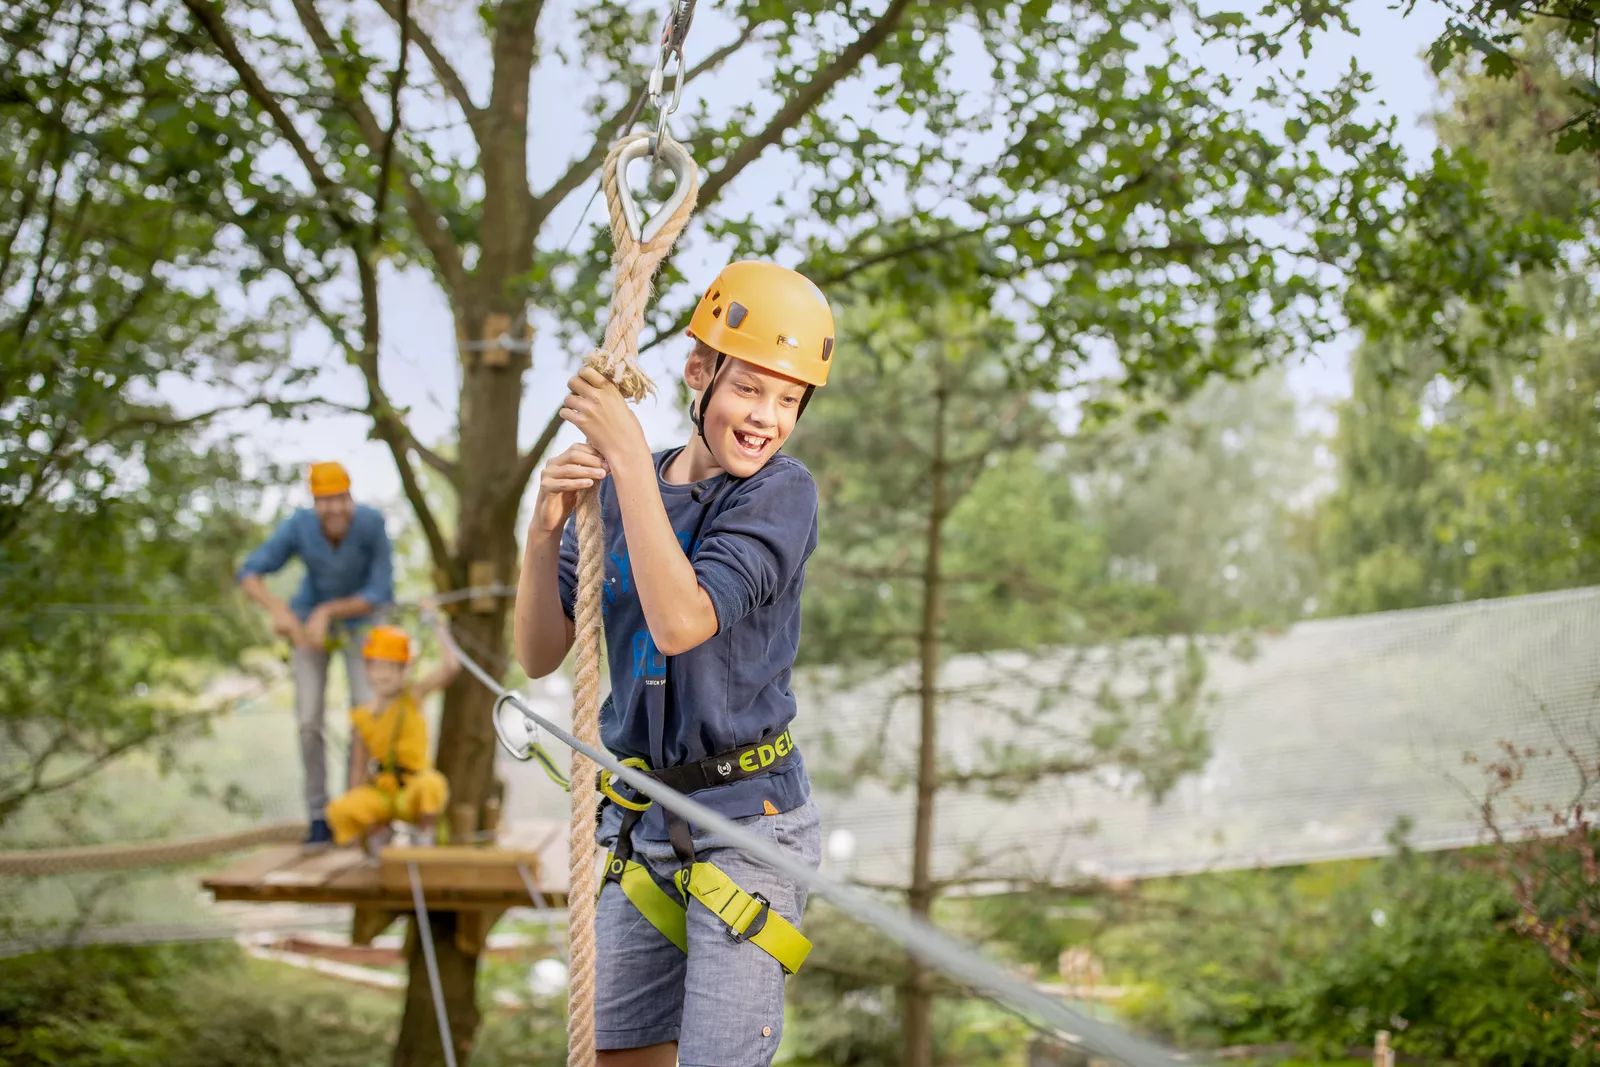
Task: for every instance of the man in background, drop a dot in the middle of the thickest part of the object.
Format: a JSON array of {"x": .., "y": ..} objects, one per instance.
[{"x": 349, "y": 574}]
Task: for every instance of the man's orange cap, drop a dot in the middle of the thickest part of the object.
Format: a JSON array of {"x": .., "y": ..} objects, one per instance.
[
  {"x": 388, "y": 643},
  {"x": 329, "y": 479}
]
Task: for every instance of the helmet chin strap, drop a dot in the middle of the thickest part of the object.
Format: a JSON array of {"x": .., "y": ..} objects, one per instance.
[
  {"x": 699, "y": 416},
  {"x": 697, "y": 412}
]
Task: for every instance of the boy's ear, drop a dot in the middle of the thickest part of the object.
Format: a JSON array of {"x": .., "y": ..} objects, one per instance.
[{"x": 697, "y": 371}]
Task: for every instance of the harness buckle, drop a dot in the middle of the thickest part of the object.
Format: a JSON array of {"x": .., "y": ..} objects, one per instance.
[{"x": 758, "y": 924}]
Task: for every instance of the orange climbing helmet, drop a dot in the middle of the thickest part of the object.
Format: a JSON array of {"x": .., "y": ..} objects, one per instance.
[
  {"x": 388, "y": 643},
  {"x": 769, "y": 316},
  {"x": 329, "y": 479}
]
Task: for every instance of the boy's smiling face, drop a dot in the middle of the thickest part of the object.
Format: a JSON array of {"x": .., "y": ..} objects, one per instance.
[{"x": 751, "y": 414}]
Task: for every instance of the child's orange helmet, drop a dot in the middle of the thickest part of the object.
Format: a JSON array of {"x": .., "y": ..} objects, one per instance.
[
  {"x": 769, "y": 316},
  {"x": 388, "y": 643}
]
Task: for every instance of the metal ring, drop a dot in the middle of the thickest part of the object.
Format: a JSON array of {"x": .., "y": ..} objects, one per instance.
[{"x": 677, "y": 157}]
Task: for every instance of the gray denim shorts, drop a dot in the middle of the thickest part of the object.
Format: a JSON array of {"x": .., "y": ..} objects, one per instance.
[{"x": 723, "y": 1001}]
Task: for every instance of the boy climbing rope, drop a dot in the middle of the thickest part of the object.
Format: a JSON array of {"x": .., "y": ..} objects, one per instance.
[
  {"x": 705, "y": 549},
  {"x": 390, "y": 776},
  {"x": 349, "y": 575}
]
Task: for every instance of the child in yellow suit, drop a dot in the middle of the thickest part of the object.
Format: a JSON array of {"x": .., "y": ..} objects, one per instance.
[{"x": 391, "y": 777}]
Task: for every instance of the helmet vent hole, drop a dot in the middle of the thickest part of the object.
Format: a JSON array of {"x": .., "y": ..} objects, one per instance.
[
  {"x": 827, "y": 349},
  {"x": 716, "y": 312}
]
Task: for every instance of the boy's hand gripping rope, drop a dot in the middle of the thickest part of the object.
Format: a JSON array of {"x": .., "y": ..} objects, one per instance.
[{"x": 640, "y": 247}]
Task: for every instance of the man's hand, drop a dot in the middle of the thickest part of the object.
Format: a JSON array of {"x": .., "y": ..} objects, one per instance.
[
  {"x": 284, "y": 623},
  {"x": 597, "y": 408},
  {"x": 314, "y": 635},
  {"x": 576, "y": 469}
]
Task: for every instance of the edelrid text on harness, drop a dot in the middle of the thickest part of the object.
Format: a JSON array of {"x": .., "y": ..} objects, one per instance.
[{"x": 748, "y": 916}]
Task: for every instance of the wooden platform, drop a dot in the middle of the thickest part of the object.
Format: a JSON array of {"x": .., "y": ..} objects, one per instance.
[{"x": 478, "y": 883}]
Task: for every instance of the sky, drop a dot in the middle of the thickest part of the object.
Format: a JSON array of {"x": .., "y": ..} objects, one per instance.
[{"x": 418, "y": 356}]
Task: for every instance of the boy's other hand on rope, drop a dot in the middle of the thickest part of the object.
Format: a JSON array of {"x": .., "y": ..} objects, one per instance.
[
  {"x": 596, "y": 407},
  {"x": 578, "y": 468}
]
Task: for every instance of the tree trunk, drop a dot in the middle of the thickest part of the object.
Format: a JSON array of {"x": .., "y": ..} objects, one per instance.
[
  {"x": 490, "y": 402},
  {"x": 916, "y": 1020},
  {"x": 418, "y": 1044}
]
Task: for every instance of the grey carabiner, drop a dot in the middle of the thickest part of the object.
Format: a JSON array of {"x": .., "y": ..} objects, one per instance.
[
  {"x": 677, "y": 157},
  {"x": 517, "y": 733}
]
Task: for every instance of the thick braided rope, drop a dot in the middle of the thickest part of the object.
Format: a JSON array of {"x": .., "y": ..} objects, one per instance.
[
  {"x": 618, "y": 359},
  {"x": 144, "y": 853}
]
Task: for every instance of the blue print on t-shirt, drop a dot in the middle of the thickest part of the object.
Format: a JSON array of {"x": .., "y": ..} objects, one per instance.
[{"x": 648, "y": 662}]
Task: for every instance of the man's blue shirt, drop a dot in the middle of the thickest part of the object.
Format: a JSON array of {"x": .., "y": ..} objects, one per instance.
[{"x": 361, "y": 565}]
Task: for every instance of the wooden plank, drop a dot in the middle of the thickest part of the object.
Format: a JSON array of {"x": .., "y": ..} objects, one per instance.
[
  {"x": 251, "y": 869},
  {"x": 360, "y": 879},
  {"x": 454, "y": 878},
  {"x": 314, "y": 869},
  {"x": 458, "y": 869},
  {"x": 495, "y": 326},
  {"x": 480, "y": 575}
]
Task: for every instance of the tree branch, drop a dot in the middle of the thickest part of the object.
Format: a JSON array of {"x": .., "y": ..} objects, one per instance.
[
  {"x": 442, "y": 69},
  {"x": 1054, "y": 767},
  {"x": 333, "y": 194},
  {"x": 612, "y": 128},
  {"x": 38, "y": 787},
  {"x": 390, "y": 428},
  {"x": 803, "y": 101},
  {"x": 430, "y": 227},
  {"x": 380, "y": 197}
]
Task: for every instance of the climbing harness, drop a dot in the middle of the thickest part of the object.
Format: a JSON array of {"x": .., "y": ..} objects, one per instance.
[{"x": 747, "y": 916}]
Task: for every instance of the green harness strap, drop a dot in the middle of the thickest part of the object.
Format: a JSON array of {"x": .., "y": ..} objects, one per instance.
[
  {"x": 654, "y": 903},
  {"x": 749, "y": 918}
]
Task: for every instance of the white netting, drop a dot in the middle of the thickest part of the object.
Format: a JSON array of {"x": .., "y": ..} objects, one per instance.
[{"x": 1321, "y": 741}]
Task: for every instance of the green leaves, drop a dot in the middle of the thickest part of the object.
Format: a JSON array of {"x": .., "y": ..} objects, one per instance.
[
  {"x": 1490, "y": 31},
  {"x": 110, "y": 257},
  {"x": 1466, "y": 453}
]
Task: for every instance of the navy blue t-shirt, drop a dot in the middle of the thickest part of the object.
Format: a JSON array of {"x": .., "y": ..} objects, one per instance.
[{"x": 749, "y": 539}]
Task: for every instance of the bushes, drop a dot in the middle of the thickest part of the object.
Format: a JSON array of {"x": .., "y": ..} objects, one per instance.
[
  {"x": 212, "y": 1006},
  {"x": 183, "y": 1006},
  {"x": 1324, "y": 957}
]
